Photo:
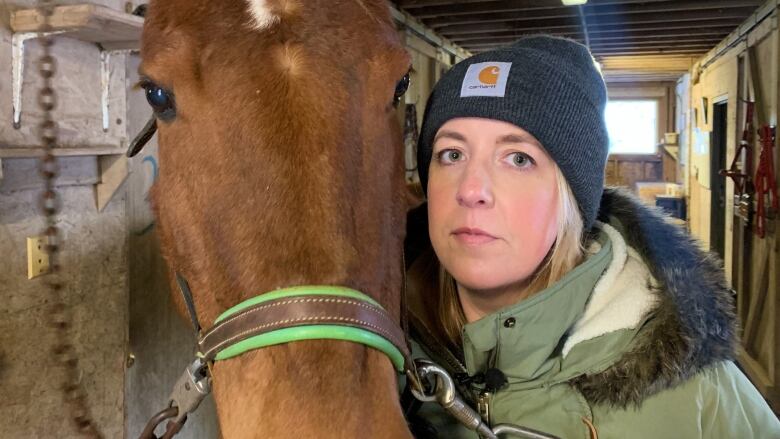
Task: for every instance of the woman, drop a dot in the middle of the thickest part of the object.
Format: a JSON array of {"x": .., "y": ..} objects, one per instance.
[{"x": 556, "y": 304}]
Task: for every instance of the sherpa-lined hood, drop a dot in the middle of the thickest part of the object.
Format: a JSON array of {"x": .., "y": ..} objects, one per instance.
[
  {"x": 683, "y": 323},
  {"x": 693, "y": 324}
]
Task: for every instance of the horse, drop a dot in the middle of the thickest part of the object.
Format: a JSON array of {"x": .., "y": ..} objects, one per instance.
[{"x": 281, "y": 164}]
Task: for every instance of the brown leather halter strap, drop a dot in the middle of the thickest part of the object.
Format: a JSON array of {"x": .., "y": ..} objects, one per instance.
[
  {"x": 278, "y": 317},
  {"x": 300, "y": 311}
]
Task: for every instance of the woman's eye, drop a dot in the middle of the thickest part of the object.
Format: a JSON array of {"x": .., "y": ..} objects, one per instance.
[
  {"x": 160, "y": 100},
  {"x": 521, "y": 160},
  {"x": 450, "y": 156}
]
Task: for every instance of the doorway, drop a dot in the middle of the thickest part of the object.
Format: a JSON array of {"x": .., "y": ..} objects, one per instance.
[{"x": 718, "y": 182}]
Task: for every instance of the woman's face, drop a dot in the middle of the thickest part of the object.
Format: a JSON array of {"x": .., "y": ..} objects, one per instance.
[{"x": 492, "y": 202}]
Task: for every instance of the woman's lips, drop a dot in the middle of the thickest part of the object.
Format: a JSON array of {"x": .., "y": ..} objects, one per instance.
[{"x": 472, "y": 236}]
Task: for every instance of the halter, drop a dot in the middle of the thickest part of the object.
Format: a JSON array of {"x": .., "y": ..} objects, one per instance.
[
  {"x": 314, "y": 312},
  {"x": 304, "y": 313}
]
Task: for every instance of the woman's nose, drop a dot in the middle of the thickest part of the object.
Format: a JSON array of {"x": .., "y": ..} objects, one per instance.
[{"x": 475, "y": 189}]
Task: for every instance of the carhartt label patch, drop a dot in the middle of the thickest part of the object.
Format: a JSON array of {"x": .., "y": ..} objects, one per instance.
[{"x": 486, "y": 79}]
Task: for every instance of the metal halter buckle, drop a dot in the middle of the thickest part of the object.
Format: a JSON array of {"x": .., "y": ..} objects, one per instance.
[{"x": 190, "y": 389}]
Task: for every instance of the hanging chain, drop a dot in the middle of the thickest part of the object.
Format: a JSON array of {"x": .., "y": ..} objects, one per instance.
[{"x": 58, "y": 313}]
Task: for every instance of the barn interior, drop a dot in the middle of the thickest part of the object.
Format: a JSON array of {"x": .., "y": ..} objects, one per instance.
[{"x": 690, "y": 82}]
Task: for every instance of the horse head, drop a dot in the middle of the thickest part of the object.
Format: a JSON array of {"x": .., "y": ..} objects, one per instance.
[{"x": 281, "y": 164}]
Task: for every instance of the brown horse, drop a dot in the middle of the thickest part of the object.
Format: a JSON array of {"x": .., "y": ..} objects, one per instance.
[{"x": 281, "y": 165}]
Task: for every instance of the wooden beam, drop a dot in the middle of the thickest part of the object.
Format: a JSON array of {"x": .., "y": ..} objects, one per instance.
[
  {"x": 484, "y": 12},
  {"x": 728, "y": 24},
  {"x": 616, "y": 34},
  {"x": 451, "y": 9},
  {"x": 678, "y": 63},
  {"x": 411, "y": 5},
  {"x": 414, "y": 5},
  {"x": 631, "y": 76},
  {"x": 620, "y": 52},
  {"x": 454, "y": 31},
  {"x": 711, "y": 42},
  {"x": 664, "y": 7},
  {"x": 605, "y": 36},
  {"x": 626, "y": 45},
  {"x": 28, "y": 152},
  {"x": 692, "y": 33},
  {"x": 674, "y": 51},
  {"x": 562, "y": 13},
  {"x": 94, "y": 23},
  {"x": 458, "y": 9},
  {"x": 509, "y": 21}
]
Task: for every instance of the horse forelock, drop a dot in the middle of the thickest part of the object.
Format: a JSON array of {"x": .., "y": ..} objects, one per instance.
[
  {"x": 263, "y": 16},
  {"x": 266, "y": 13}
]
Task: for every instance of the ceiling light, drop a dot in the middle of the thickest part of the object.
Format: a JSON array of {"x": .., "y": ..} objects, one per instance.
[{"x": 574, "y": 2}]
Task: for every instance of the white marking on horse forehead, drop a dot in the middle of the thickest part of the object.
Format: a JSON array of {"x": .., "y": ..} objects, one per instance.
[{"x": 262, "y": 14}]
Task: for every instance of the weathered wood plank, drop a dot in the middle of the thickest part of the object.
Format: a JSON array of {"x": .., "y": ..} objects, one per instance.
[{"x": 86, "y": 22}]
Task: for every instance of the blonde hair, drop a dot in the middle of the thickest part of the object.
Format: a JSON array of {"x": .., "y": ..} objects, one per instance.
[{"x": 566, "y": 253}]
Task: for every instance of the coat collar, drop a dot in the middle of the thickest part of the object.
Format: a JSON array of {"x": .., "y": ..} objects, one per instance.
[{"x": 529, "y": 347}]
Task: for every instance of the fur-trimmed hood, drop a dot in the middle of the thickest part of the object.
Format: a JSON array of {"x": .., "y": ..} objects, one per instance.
[
  {"x": 687, "y": 325},
  {"x": 693, "y": 325}
]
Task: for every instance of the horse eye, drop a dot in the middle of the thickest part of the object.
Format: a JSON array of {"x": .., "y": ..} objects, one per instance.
[
  {"x": 160, "y": 100},
  {"x": 401, "y": 88}
]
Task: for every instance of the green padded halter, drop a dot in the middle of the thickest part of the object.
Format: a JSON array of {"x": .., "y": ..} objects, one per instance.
[{"x": 310, "y": 332}]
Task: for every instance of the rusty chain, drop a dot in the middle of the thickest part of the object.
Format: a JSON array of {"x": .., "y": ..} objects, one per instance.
[{"x": 59, "y": 315}]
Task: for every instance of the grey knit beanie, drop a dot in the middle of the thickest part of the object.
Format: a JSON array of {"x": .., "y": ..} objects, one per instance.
[{"x": 548, "y": 86}]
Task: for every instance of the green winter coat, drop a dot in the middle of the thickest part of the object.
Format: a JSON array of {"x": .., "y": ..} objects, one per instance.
[{"x": 635, "y": 342}]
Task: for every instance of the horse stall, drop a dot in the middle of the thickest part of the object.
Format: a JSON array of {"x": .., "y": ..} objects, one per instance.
[
  {"x": 130, "y": 344},
  {"x": 102, "y": 351},
  {"x": 736, "y": 80}
]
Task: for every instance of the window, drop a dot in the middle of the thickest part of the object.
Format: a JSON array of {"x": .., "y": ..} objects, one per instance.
[{"x": 632, "y": 126}]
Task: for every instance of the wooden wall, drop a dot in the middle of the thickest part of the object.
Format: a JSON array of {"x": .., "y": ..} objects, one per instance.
[
  {"x": 628, "y": 169},
  {"x": 94, "y": 253},
  {"x": 752, "y": 264}
]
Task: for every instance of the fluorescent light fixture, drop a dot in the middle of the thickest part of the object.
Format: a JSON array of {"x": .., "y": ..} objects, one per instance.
[{"x": 574, "y": 2}]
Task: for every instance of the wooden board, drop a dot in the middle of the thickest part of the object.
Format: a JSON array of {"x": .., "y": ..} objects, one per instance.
[
  {"x": 113, "y": 173},
  {"x": 26, "y": 152},
  {"x": 94, "y": 23},
  {"x": 626, "y": 169},
  {"x": 22, "y": 174}
]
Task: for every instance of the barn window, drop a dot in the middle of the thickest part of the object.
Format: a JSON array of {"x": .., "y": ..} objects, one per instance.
[{"x": 632, "y": 126}]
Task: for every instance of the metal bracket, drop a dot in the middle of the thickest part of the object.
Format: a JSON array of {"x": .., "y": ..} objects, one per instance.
[
  {"x": 17, "y": 70},
  {"x": 105, "y": 79},
  {"x": 17, "y": 43}
]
